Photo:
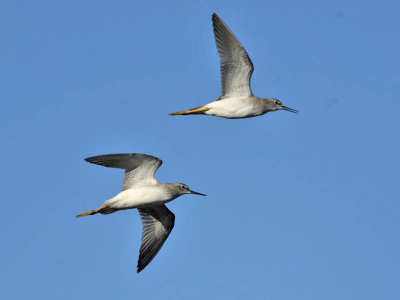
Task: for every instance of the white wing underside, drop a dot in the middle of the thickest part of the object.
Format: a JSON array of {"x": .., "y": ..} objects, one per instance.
[{"x": 236, "y": 65}]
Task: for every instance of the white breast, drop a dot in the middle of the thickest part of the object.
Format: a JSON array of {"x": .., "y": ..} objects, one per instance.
[
  {"x": 232, "y": 108},
  {"x": 139, "y": 197}
]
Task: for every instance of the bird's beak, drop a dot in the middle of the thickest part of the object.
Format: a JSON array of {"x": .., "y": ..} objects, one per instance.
[
  {"x": 196, "y": 193},
  {"x": 288, "y": 109}
]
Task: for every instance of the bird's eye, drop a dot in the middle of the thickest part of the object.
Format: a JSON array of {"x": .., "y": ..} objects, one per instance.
[
  {"x": 277, "y": 102},
  {"x": 184, "y": 187}
]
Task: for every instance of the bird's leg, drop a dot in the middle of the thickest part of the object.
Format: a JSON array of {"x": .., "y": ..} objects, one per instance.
[
  {"x": 93, "y": 212},
  {"x": 198, "y": 110}
]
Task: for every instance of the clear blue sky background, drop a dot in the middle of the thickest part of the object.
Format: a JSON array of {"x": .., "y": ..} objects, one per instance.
[{"x": 299, "y": 206}]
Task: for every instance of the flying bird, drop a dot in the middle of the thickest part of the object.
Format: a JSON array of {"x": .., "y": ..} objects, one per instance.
[
  {"x": 237, "y": 100},
  {"x": 143, "y": 191}
]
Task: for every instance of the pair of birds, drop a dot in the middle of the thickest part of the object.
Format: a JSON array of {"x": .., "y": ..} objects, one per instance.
[{"x": 141, "y": 189}]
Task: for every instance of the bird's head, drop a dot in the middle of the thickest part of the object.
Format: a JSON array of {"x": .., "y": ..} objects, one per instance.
[
  {"x": 274, "y": 104},
  {"x": 181, "y": 189}
]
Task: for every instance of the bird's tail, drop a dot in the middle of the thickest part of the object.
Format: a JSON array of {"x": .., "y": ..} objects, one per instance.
[
  {"x": 194, "y": 111},
  {"x": 105, "y": 210}
]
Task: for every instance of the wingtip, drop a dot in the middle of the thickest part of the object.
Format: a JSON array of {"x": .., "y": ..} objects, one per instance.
[
  {"x": 139, "y": 269},
  {"x": 214, "y": 17},
  {"x": 89, "y": 159}
]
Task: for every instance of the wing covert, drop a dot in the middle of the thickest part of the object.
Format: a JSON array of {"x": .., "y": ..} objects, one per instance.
[{"x": 139, "y": 168}]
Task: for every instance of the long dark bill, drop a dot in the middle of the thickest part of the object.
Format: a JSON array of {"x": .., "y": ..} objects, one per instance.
[
  {"x": 289, "y": 109},
  {"x": 196, "y": 193}
]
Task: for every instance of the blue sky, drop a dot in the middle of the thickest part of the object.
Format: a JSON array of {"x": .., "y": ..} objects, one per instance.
[{"x": 299, "y": 206}]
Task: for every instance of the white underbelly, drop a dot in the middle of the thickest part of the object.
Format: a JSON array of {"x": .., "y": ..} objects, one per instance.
[
  {"x": 139, "y": 197},
  {"x": 233, "y": 108}
]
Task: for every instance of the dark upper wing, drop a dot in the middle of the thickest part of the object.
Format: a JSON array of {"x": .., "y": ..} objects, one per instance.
[
  {"x": 157, "y": 222},
  {"x": 236, "y": 65},
  {"x": 139, "y": 168}
]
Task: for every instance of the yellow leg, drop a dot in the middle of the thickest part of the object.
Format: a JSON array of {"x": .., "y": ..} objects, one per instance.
[
  {"x": 197, "y": 110},
  {"x": 92, "y": 212}
]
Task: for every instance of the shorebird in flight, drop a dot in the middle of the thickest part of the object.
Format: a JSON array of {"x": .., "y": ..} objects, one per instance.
[
  {"x": 142, "y": 190},
  {"x": 237, "y": 100}
]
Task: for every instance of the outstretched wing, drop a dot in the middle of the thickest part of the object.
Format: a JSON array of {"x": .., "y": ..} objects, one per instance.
[
  {"x": 139, "y": 168},
  {"x": 157, "y": 222},
  {"x": 236, "y": 65}
]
